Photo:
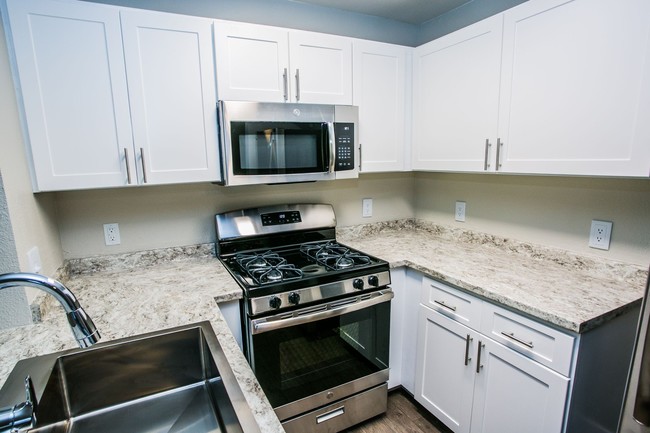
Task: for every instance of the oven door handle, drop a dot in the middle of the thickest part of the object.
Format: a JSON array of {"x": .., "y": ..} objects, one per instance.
[{"x": 280, "y": 321}]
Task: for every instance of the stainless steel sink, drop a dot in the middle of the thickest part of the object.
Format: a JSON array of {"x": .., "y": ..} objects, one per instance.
[{"x": 176, "y": 380}]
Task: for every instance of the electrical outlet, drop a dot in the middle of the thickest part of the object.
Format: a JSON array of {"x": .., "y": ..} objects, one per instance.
[
  {"x": 600, "y": 234},
  {"x": 460, "y": 211},
  {"x": 366, "y": 208},
  {"x": 112, "y": 234}
]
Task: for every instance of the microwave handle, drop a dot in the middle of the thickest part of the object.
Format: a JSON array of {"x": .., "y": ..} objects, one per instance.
[
  {"x": 332, "y": 140},
  {"x": 260, "y": 326}
]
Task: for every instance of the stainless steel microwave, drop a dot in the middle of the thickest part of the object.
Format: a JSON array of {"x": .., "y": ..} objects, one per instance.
[{"x": 265, "y": 143}]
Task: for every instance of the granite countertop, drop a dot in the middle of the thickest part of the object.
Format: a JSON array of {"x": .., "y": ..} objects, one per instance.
[
  {"x": 132, "y": 294},
  {"x": 571, "y": 291},
  {"x": 135, "y": 293}
]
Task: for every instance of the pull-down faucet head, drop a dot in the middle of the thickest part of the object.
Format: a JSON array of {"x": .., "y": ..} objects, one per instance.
[{"x": 82, "y": 326}]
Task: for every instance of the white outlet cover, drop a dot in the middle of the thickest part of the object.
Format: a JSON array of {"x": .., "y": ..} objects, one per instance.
[
  {"x": 460, "y": 211},
  {"x": 366, "y": 211},
  {"x": 600, "y": 234},
  {"x": 34, "y": 260},
  {"x": 112, "y": 234}
]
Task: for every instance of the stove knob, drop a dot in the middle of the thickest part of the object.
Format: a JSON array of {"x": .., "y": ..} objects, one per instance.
[
  {"x": 373, "y": 280},
  {"x": 294, "y": 298},
  {"x": 275, "y": 302},
  {"x": 357, "y": 283}
]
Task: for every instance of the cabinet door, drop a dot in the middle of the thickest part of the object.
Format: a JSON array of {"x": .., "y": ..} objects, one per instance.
[
  {"x": 169, "y": 61},
  {"x": 252, "y": 62},
  {"x": 514, "y": 394},
  {"x": 70, "y": 66},
  {"x": 576, "y": 88},
  {"x": 321, "y": 68},
  {"x": 380, "y": 89},
  {"x": 456, "y": 99},
  {"x": 444, "y": 375}
]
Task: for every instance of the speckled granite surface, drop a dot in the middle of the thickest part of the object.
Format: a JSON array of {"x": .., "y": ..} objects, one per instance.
[
  {"x": 132, "y": 294},
  {"x": 568, "y": 290},
  {"x": 140, "y": 292}
]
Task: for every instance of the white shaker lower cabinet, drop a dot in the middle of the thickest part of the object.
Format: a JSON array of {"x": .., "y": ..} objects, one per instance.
[
  {"x": 514, "y": 394},
  {"x": 475, "y": 384}
]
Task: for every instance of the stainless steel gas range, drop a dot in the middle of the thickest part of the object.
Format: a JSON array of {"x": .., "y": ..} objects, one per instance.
[{"x": 315, "y": 314}]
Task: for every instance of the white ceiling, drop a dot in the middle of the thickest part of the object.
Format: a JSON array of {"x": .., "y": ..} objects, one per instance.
[{"x": 408, "y": 11}]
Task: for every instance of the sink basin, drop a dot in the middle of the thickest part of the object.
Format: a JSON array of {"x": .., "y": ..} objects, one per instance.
[{"x": 176, "y": 380}]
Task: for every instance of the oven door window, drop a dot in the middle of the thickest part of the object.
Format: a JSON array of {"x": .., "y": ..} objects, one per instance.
[
  {"x": 298, "y": 361},
  {"x": 260, "y": 148}
]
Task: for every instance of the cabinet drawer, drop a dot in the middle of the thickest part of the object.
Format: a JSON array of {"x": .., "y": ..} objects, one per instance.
[
  {"x": 454, "y": 303},
  {"x": 542, "y": 343}
]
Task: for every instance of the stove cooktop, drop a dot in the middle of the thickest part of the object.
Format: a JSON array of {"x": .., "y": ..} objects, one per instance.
[{"x": 281, "y": 269}]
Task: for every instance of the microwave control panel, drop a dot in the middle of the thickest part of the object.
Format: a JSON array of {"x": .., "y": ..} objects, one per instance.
[{"x": 344, "y": 133}]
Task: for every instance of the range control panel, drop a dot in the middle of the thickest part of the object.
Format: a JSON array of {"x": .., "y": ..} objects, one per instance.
[
  {"x": 278, "y": 218},
  {"x": 344, "y": 133}
]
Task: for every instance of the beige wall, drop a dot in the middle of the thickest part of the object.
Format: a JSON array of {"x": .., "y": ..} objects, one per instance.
[
  {"x": 33, "y": 217},
  {"x": 154, "y": 217},
  {"x": 555, "y": 211}
]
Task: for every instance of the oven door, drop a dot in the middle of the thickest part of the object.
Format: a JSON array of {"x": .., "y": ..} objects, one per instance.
[{"x": 315, "y": 356}]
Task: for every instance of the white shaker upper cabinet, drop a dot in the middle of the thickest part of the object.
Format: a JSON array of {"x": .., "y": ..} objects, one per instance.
[
  {"x": 252, "y": 62},
  {"x": 575, "y": 88},
  {"x": 380, "y": 91},
  {"x": 456, "y": 99},
  {"x": 321, "y": 68},
  {"x": 70, "y": 64},
  {"x": 271, "y": 64},
  {"x": 169, "y": 65}
]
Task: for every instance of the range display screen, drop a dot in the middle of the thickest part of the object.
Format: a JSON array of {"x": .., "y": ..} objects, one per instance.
[{"x": 278, "y": 218}]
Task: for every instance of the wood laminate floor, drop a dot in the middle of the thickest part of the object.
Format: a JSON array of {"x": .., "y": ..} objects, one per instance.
[{"x": 404, "y": 415}]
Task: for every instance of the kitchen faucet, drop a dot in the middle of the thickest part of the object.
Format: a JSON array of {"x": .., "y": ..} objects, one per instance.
[
  {"x": 83, "y": 329},
  {"x": 82, "y": 326}
]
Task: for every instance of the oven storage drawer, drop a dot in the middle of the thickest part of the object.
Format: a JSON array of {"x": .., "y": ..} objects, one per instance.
[{"x": 342, "y": 414}]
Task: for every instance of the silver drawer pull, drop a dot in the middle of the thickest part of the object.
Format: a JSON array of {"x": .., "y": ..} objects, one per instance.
[
  {"x": 442, "y": 304},
  {"x": 511, "y": 335},
  {"x": 467, "y": 342},
  {"x": 329, "y": 415}
]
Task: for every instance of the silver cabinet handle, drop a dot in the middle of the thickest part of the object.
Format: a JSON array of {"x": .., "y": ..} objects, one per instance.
[
  {"x": 128, "y": 169},
  {"x": 331, "y": 414},
  {"x": 297, "y": 85},
  {"x": 360, "y": 157},
  {"x": 285, "y": 82},
  {"x": 478, "y": 357},
  {"x": 511, "y": 335},
  {"x": 144, "y": 168},
  {"x": 499, "y": 144},
  {"x": 486, "y": 164},
  {"x": 468, "y": 340},
  {"x": 442, "y": 304}
]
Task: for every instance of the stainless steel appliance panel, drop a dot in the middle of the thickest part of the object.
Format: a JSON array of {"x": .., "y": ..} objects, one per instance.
[{"x": 635, "y": 417}]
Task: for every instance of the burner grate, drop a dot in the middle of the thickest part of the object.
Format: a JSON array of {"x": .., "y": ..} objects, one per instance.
[
  {"x": 334, "y": 255},
  {"x": 268, "y": 267}
]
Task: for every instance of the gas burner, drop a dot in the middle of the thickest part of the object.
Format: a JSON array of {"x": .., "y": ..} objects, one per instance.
[
  {"x": 268, "y": 267},
  {"x": 335, "y": 256}
]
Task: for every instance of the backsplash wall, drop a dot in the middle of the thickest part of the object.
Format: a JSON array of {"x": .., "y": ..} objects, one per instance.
[
  {"x": 547, "y": 210},
  {"x": 164, "y": 216}
]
